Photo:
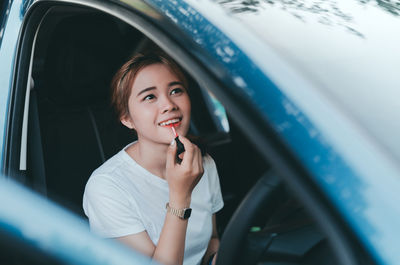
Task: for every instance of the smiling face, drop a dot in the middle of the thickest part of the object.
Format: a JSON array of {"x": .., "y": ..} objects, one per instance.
[{"x": 158, "y": 100}]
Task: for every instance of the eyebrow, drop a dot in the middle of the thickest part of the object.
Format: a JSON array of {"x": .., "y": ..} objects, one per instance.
[
  {"x": 145, "y": 90},
  {"x": 174, "y": 83}
]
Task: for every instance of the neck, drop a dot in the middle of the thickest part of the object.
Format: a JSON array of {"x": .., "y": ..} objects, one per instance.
[{"x": 151, "y": 156}]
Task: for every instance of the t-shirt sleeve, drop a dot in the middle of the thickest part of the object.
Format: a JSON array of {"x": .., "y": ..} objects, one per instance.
[
  {"x": 215, "y": 187},
  {"x": 110, "y": 212}
]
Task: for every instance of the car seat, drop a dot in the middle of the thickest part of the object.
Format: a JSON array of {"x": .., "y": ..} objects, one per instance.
[{"x": 79, "y": 130}]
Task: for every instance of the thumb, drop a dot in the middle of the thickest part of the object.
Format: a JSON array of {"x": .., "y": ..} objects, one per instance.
[{"x": 171, "y": 153}]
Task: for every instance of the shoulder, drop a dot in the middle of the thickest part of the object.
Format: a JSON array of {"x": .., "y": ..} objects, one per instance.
[
  {"x": 103, "y": 192},
  {"x": 101, "y": 186},
  {"x": 112, "y": 164},
  {"x": 107, "y": 177},
  {"x": 210, "y": 169},
  {"x": 208, "y": 162}
]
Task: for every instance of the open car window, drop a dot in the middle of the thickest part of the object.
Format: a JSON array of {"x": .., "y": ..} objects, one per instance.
[
  {"x": 70, "y": 128},
  {"x": 68, "y": 125}
]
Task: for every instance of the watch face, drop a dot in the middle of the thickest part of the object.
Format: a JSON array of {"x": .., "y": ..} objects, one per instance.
[{"x": 187, "y": 213}]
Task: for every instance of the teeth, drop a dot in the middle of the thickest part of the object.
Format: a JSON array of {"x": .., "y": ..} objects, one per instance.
[{"x": 169, "y": 122}]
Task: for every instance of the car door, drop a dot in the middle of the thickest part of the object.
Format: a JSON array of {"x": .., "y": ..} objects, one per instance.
[{"x": 60, "y": 128}]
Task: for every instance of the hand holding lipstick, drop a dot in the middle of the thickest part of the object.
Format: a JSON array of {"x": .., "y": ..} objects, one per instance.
[{"x": 183, "y": 177}]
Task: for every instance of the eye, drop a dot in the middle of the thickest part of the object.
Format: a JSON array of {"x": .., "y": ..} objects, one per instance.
[
  {"x": 149, "y": 97},
  {"x": 177, "y": 90}
]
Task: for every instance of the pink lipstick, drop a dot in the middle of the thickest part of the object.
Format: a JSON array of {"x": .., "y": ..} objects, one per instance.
[{"x": 174, "y": 131}]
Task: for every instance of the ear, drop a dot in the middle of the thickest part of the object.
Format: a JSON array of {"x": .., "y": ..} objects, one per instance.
[{"x": 127, "y": 121}]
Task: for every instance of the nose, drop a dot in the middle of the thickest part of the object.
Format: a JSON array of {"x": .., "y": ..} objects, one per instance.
[{"x": 167, "y": 104}]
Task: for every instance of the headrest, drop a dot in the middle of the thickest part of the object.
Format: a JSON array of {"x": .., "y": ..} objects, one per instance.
[{"x": 82, "y": 57}]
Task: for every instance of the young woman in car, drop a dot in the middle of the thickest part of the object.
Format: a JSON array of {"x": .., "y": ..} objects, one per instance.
[{"x": 143, "y": 196}]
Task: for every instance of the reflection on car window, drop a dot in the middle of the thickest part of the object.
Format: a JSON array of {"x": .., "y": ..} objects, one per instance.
[
  {"x": 363, "y": 58},
  {"x": 218, "y": 111}
]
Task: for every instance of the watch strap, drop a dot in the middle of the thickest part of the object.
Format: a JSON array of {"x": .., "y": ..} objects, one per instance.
[{"x": 181, "y": 213}]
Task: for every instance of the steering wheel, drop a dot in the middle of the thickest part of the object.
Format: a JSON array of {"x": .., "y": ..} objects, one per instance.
[{"x": 261, "y": 197}]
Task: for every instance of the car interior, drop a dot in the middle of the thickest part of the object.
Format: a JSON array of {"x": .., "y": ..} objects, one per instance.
[{"x": 72, "y": 130}]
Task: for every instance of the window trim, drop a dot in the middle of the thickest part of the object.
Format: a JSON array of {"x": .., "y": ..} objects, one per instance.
[{"x": 29, "y": 87}]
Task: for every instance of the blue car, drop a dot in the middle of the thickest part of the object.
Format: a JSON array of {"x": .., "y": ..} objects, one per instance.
[{"x": 297, "y": 102}]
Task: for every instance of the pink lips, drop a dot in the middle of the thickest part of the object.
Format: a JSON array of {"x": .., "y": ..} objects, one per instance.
[
  {"x": 172, "y": 126},
  {"x": 176, "y": 124}
]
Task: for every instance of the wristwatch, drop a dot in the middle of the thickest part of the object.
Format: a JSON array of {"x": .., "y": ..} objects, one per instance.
[{"x": 181, "y": 213}]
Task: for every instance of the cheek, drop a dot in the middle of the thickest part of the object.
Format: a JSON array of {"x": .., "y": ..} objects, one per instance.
[
  {"x": 186, "y": 104},
  {"x": 142, "y": 116}
]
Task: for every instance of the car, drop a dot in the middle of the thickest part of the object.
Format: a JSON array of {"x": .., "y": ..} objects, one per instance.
[
  {"x": 40, "y": 232},
  {"x": 296, "y": 101}
]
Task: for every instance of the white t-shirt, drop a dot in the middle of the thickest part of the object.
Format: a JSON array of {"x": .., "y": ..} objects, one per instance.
[{"x": 123, "y": 198}]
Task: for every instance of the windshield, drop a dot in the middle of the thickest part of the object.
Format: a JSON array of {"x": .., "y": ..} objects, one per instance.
[{"x": 350, "y": 49}]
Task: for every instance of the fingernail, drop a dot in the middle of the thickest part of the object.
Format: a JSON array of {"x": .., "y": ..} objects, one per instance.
[{"x": 173, "y": 142}]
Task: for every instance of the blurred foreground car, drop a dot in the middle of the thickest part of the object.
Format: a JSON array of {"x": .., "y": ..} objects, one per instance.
[
  {"x": 296, "y": 100},
  {"x": 35, "y": 231}
]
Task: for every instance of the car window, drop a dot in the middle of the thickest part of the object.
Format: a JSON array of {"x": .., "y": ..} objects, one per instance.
[
  {"x": 69, "y": 118},
  {"x": 218, "y": 110},
  {"x": 72, "y": 129}
]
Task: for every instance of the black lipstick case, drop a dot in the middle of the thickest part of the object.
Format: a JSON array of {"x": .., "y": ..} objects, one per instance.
[{"x": 180, "y": 149}]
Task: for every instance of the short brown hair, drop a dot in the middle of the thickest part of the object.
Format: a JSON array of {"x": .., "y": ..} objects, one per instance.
[{"x": 122, "y": 82}]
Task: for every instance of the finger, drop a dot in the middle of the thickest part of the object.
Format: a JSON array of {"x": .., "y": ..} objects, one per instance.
[
  {"x": 201, "y": 161},
  {"x": 185, "y": 141},
  {"x": 199, "y": 156},
  {"x": 171, "y": 153},
  {"x": 189, "y": 149},
  {"x": 196, "y": 157}
]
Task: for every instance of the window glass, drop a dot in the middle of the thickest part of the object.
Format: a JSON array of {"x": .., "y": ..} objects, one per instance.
[
  {"x": 337, "y": 47},
  {"x": 217, "y": 110}
]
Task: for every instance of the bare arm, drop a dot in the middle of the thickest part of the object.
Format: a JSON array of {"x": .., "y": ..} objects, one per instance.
[
  {"x": 213, "y": 245},
  {"x": 181, "y": 178},
  {"x": 171, "y": 245}
]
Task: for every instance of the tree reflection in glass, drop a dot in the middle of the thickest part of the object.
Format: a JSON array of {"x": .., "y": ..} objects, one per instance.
[{"x": 326, "y": 12}]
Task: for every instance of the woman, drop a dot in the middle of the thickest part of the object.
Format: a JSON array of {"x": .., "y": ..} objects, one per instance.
[{"x": 142, "y": 196}]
